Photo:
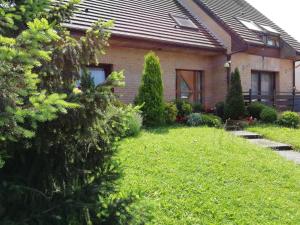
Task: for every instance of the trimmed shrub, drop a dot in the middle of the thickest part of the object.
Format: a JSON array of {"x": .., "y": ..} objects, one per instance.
[
  {"x": 289, "y": 119},
  {"x": 220, "y": 109},
  {"x": 134, "y": 124},
  {"x": 255, "y": 109},
  {"x": 235, "y": 106},
  {"x": 194, "y": 120},
  {"x": 150, "y": 93},
  {"x": 198, "y": 108},
  {"x": 170, "y": 113},
  {"x": 268, "y": 115},
  {"x": 211, "y": 120},
  {"x": 197, "y": 119},
  {"x": 184, "y": 108}
]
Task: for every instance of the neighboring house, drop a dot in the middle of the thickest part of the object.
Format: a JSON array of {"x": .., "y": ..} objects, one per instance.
[
  {"x": 298, "y": 76},
  {"x": 199, "y": 42}
]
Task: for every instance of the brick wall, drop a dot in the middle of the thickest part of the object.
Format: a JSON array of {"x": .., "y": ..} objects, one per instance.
[{"x": 131, "y": 61}]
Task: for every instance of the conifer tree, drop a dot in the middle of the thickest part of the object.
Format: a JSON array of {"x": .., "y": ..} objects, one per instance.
[
  {"x": 235, "y": 106},
  {"x": 150, "y": 93}
]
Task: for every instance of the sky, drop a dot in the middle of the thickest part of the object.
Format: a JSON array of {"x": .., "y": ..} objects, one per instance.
[{"x": 286, "y": 16}]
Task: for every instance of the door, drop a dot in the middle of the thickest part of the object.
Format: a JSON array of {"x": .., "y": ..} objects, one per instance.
[
  {"x": 189, "y": 86},
  {"x": 263, "y": 84}
]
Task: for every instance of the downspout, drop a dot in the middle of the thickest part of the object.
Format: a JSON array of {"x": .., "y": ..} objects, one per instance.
[{"x": 229, "y": 61}]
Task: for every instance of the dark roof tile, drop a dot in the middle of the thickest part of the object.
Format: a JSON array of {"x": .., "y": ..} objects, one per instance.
[{"x": 146, "y": 19}]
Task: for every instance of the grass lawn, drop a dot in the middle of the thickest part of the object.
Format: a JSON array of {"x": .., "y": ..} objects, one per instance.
[
  {"x": 206, "y": 176},
  {"x": 286, "y": 135}
]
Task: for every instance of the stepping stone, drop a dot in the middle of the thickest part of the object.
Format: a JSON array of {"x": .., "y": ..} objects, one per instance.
[
  {"x": 271, "y": 144},
  {"x": 246, "y": 134},
  {"x": 291, "y": 155}
]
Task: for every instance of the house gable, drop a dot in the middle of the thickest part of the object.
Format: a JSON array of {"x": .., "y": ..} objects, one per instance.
[{"x": 230, "y": 14}]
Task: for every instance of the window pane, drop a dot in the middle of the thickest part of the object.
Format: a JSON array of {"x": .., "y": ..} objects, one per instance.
[
  {"x": 267, "y": 83},
  {"x": 254, "y": 83},
  {"x": 251, "y": 25},
  {"x": 185, "y": 91},
  {"x": 98, "y": 74}
]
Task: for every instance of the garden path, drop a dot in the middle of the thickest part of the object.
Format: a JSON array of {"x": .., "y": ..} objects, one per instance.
[{"x": 285, "y": 150}]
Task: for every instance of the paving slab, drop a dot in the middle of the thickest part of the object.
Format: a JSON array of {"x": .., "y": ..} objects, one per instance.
[
  {"x": 291, "y": 155},
  {"x": 271, "y": 144},
  {"x": 246, "y": 134}
]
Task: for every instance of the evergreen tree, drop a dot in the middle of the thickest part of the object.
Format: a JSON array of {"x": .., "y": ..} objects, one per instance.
[
  {"x": 57, "y": 141},
  {"x": 235, "y": 106},
  {"x": 150, "y": 93}
]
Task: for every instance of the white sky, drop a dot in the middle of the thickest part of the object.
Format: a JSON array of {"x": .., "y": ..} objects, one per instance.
[{"x": 285, "y": 13}]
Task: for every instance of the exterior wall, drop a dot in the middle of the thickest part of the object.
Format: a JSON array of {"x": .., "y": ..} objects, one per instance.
[
  {"x": 246, "y": 62},
  {"x": 214, "y": 28},
  {"x": 298, "y": 76},
  {"x": 131, "y": 60}
]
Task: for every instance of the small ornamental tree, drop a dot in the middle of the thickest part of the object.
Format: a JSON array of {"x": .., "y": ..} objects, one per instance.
[
  {"x": 235, "y": 106},
  {"x": 151, "y": 92}
]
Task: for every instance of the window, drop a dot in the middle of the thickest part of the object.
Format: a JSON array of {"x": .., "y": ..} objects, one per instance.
[
  {"x": 272, "y": 41},
  {"x": 251, "y": 25},
  {"x": 263, "y": 83},
  {"x": 189, "y": 86},
  {"x": 184, "y": 21},
  {"x": 269, "y": 29},
  {"x": 100, "y": 73}
]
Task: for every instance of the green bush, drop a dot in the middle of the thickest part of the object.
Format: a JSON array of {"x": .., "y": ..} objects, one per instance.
[
  {"x": 134, "y": 124},
  {"x": 150, "y": 93},
  {"x": 289, "y": 119},
  {"x": 220, "y": 109},
  {"x": 198, "y": 108},
  {"x": 268, "y": 115},
  {"x": 197, "y": 119},
  {"x": 255, "y": 109},
  {"x": 184, "y": 108},
  {"x": 235, "y": 106},
  {"x": 170, "y": 113},
  {"x": 194, "y": 120},
  {"x": 211, "y": 120}
]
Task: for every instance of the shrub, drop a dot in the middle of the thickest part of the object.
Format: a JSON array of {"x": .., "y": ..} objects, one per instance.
[
  {"x": 197, "y": 119},
  {"x": 194, "y": 120},
  {"x": 198, "y": 108},
  {"x": 150, "y": 93},
  {"x": 211, "y": 120},
  {"x": 220, "y": 109},
  {"x": 134, "y": 124},
  {"x": 184, "y": 108},
  {"x": 235, "y": 106},
  {"x": 255, "y": 109},
  {"x": 289, "y": 119},
  {"x": 170, "y": 113},
  {"x": 268, "y": 115}
]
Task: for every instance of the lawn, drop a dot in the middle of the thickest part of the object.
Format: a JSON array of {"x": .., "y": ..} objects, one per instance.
[
  {"x": 281, "y": 134},
  {"x": 206, "y": 176}
]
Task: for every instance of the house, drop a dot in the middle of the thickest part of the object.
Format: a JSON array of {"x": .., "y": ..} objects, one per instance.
[
  {"x": 297, "y": 68},
  {"x": 199, "y": 43}
]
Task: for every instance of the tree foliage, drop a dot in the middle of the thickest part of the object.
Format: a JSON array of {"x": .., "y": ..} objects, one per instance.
[
  {"x": 235, "y": 106},
  {"x": 151, "y": 91},
  {"x": 57, "y": 141}
]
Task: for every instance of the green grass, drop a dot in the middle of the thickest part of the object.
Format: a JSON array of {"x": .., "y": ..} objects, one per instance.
[
  {"x": 199, "y": 176},
  {"x": 281, "y": 134}
]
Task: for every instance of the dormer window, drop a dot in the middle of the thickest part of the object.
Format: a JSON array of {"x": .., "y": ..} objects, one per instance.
[{"x": 184, "y": 21}]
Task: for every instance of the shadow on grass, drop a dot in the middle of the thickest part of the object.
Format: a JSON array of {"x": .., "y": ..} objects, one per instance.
[{"x": 163, "y": 129}]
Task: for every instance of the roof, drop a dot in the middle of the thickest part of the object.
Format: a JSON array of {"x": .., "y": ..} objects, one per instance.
[
  {"x": 145, "y": 19},
  {"x": 228, "y": 12}
]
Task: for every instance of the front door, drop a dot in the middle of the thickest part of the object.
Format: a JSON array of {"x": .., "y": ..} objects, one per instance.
[{"x": 189, "y": 85}]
